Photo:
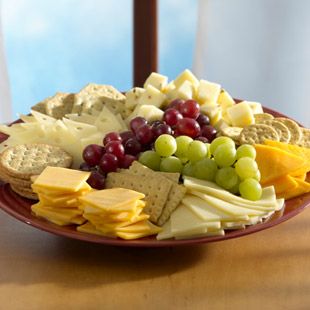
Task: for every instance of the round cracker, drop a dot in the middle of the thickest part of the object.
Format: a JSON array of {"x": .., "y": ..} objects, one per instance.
[
  {"x": 258, "y": 133},
  {"x": 293, "y": 127},
  {"x": 259, "y": 117},
  {"x": 24, "y": 192},
  {"x": 305, "y": 140},
  {"x": 24, "y": 160},
  {"x": 282, "y": 131}
]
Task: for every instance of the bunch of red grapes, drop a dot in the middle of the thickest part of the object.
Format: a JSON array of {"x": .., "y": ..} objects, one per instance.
[{"x": 119, "y": 150}]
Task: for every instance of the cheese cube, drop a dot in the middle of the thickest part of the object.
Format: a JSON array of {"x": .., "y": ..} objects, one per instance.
[
  {"x": 186, "y": 75},
  {"x": 256, "y": 107},
  {"x": 225, "y": 100},
  {"x": 152, "y": 96},
  {"x": 132, "y": 97},
  {"x": 185, "y": 91},
  {"x": 156, "y": 80},
  {"x": 150, "y": 113},
  {"x": 241, "y": 114},
  {"x": 208, "y": 92},
  {"x": 169, "y": 88}
]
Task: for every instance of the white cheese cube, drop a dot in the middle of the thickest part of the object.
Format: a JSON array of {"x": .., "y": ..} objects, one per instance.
[
  {"x": 152, "y": 96},
  {"x": 132, "y": 97},
  {"x": 225, "y": 100},
  {"x": 156, "y": 80},
  {"x": 186, "y": 75},
  {"x": 241, "y": 114},
  {"x": 185, "y": 91},
  {"x": 256, "y": 107},
  {"x": 149, "y": 112},
  {"x": 208, "y": 92}
]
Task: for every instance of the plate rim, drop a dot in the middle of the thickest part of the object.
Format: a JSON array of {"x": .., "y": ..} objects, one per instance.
[{"x": 48, "y": 227}]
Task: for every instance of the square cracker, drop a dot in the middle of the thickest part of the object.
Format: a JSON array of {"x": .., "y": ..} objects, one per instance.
[
  {"x": 94, "y": 97},
  {"x": 156, "y": 193},
  {"x": 176, "y": 193}
]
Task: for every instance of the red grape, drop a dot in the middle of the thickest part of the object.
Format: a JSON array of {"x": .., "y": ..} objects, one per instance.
[
  {"x": 116, "y": 148},
  {"x": 190, "y": 108},
  {"x": 203, "y": 120},
  {"x": 202, "y": 139},
  {"x": 175, "y": 104},
  {"x": 108, "y": 163},
  {"x": 172, "y": 116},
  {"x": 126, "y": 161},
  {"x": 92, "y": 154},
  {"x": 125, "y": 135},
  {"x": 137, "y": 122},
  {"x": 188, "y": 126},
  {"x": 111, "y": 136},
  {"x": 157, "y": 123},
  {"x": 96, "y": 180},
  {"x": 161, "y": 129},
  {"x": 86, "y": 167},
  {"x": 144, "y": 134},
  {"x": 133, "y": 146},
  {"x": 209, "y": 132}
]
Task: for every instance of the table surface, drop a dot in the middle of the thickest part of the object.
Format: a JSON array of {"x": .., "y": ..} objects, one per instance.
[{"x": 266, "y": 270}]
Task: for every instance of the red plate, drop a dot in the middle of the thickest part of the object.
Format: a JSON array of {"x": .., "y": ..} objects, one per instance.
[{"x": 19, "y": 208}]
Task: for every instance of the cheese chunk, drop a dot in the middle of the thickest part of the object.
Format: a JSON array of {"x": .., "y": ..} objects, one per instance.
[
  {"x": 152, "y": 96},
  {"x": 208, "y": 92},
  {"x": 156, "y": 80},
  {"x": 241, "y": 115},
  {"x": 186, "y": 75},
  {"x": 225, "y": 100}
]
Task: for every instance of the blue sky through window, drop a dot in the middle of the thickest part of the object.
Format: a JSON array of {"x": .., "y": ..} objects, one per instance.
[{"x": 61, "y": 45}]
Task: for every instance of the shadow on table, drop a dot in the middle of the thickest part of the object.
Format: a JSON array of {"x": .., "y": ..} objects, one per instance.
[{"x": 79, "y": 264}]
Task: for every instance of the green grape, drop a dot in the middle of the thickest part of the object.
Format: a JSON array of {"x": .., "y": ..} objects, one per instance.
[
  {"x": 246, "y": 167},
  {"x": 246, "y": 150},
  {"x": 189, "y": 169},
  {"x": 225, "y": 155},
  {"x": 165, "y": 145},
  {"x": 183, "y": 160},
  {"x": 235, "y": 188},
  {"x": 208, "y": 150},
  {"x": 250, "y": 189},
  {"x": 197, "y": 150},
  {"x": 150, "y": 159},
  {"x": 205, "y": 169},
  {"x": 257, "y": 176},
  {"x": 227, "y": 178},
  {"x": 182, "y": 145},
  {"x": 171, "y": 164},
  {"x": 219, "y": 141}
]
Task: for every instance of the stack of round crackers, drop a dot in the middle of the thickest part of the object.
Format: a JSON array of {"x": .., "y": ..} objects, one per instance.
[
  {"x": 272, "y": 128},
  {"x": 20, "y": 163}
]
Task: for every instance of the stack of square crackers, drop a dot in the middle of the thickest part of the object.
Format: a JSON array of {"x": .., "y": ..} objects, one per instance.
[
  {"x": 162, "y": 190},
  {"x": 19, "y": 164},
  {"x": 89, "y": 100}
]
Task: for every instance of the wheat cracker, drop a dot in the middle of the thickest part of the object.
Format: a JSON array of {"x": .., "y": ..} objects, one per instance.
[
  {"x": 257, "y": 133},
  {"x": 156, "y": 193},
  {"x": 282, "y": 131},
  {"x": 259, "y": 117},
  {"x": 305, "y": 140},
  {"x": 293, "y": 127},
  {"x": 24, "y": 160}
]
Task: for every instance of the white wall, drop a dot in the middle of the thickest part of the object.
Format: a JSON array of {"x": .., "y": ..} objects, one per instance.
[{"x": 258, "y": 50}]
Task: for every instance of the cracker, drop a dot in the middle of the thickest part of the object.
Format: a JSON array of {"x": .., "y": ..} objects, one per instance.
[
  {"x": 282, "y": 131},
  {"x": 305, "y": 140},
  {"x": 156, "y": 193},
  {"x": 59, "y": 105},
  {"x": 259, "y": 117},
  {"x": 232, "y": 132},
  {"x": 24, "y": 160},
  {"x": 172, "y": 176},
  {"x": 41, "y": 106},
  {"x": 95, "y": 96},
  {"x": 24, "y": 192},
  {"x": 176, "y": 193},
  {"x": 257, "y": 133},
  {"x": 295, "y": 130}
]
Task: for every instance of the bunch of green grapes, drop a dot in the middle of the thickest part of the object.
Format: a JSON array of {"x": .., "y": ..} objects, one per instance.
[{"x": 233, "y": 169}]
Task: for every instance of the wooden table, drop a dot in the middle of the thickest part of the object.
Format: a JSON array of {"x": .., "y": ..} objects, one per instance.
[{"x": 266, "y": 270}]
